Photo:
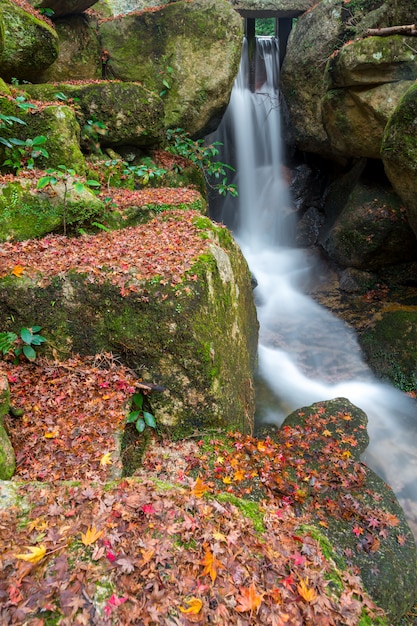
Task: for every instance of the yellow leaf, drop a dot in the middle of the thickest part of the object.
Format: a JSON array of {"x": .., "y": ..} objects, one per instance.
[
  {"x": 18, "y": 271},
  {"x": 239, "y": 475},
  {"x": 199, "y": 488},
  {"x": 91, "y": 535},
  {"x": 194, "y": 606},
  {"x": 106, "y": 459},
  {"x": 346, "y": 454},
  {"x": 307, "y": 593},
  {"x": 327, "y": 433},
  {"x": 219, "y": 537},
  {"x": 35, "y": 554},
  {"x": 227, "y": 480},
  {"x": 211, "y": 565},
  {"x": 51, "y": 435}
]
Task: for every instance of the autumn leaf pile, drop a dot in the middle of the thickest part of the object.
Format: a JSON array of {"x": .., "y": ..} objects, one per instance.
[
  {"x": 182, "y": 542},
  {"x": 167, "y": 247}
]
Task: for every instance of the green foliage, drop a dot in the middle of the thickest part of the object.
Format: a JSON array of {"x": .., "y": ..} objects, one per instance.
[
  {"x": 139, "y": 416},
  {"x": 265, "y": 27},
  {"x": 166, "y": 82},
  {"x": 90, "y": 134},
  {"x": 144, "y": 172},
  {"x": 67, "y": 176},
  {"x": 22, "y": 153},
  {"x": 181, "y": 144},
  {"x": 23, "y": 344}
]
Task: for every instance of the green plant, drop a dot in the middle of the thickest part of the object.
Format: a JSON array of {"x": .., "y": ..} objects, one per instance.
[
  {"x": 22, "y": 153},
  {"x": 139, "y": 416},
  {"x": 181, "y": 144},
  {"x": 90, "y": 134},
  {"x": 166, "y": 83},
  {"x": 67, "y": 177},
  {"x": 22, "y": 344},
  {"x": 145, "y": 171}
]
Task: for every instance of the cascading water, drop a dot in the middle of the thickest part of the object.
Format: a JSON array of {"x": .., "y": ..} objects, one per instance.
[{"x": 305, "y": 353}]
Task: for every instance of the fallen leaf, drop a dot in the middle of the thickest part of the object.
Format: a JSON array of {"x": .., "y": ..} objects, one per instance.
[
  {"x": 211, "y": 565},
  {"x": 18, "y": 271},
  {"x": 249, "y": 599},
  {"x": 199, "y": 488},
  {"x": 106, "y": 459},
  {"x": 307, "y": 593},
  {"x": 194, "y": 605},
  {"x": 91, "y": 536},
  {"x": 35, "y": 554}
]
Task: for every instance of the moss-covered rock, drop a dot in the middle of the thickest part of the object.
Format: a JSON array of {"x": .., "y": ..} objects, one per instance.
[
  {"x": 352, "y": 498},
  {"x": 197, "y": 338},
  {"x": 187, "y": 51},
  {"x": 399, "y": 152},
  {"x": 57, "y": 123},
  {"x": 26, "y": 213},
  {"x": 7, "y": 457},
  {"x": 62, "y": 8},
  {"x": 371, "y": 231},
  {"x": 30, "y": 44},
  {"x": 79, "y": 52},
  {"x": 131, "y": 113},
  {"x": 390, "y": 346}
]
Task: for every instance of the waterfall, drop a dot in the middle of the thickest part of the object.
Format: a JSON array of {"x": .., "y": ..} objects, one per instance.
[{"x": 305, "y": 353}]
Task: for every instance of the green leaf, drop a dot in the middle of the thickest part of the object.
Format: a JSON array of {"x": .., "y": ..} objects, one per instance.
[
  {"x": 26, "y": 335},
  {"x": 149, "y": 419},
  {"x": 44, "y": 181},
  {"x": 133, "y": 416},
  {"x": 137, "y": 400},
  {"x": 37, "y": 340},
  {"x": 93, "y": 183},
  {"x": 38, "y": 140},
  {"x": 79, "y": 187},
  {"x": 36, "y": 329},
  {"x": 29, "y": 353},
  {"x": 140, "y": 425}
]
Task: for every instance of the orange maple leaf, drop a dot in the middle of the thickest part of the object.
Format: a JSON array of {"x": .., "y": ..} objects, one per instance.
[
  {"x": 249, "y": 599},
  {"x": 91, "y": 535},
  {"x": 307, "y": 593},
  {"x": 199, "y": 488},
  {"x": 211, "y": 564},
  {"x": 194, "y": 605},
  {"x": 18, "y": 270}
]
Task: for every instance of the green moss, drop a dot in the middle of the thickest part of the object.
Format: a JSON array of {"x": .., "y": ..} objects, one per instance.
[{"x": 249, "y": 509}]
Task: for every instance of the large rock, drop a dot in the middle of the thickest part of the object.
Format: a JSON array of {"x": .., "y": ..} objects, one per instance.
[
  {"x": 188, "y": 52},
  {"x": 319, "y": 34},
  {"x": 26, "y": 212},
  {"x": 79, "y": 52},
  {"x": 365, "y": 81},
  {"x": 195, "y": 332},
  {"x": 371, "y": 231},
  {"x": 62, "y": 8},
  {"x": 59, "y": 125},
  {"x": 131, "y": 113},
  {"x": 7, "y": 456},
  {"x": 390, "y": 346},
  {"x": 399, "y": 152},
  {"x": 352, "y": 504},
  {"x": 30, "y": 44}
]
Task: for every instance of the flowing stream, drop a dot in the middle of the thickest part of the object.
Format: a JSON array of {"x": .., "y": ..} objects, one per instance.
[{"x": 306, "y": 354}]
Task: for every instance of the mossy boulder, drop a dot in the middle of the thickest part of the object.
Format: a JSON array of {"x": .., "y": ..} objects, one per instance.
[
  {"x": 30, "y": 44},
  {"x": 79, "y": 52},
  {"x": 62, "y": 8},
  {"x": 365, "y": 80},
  {"x": 57, "y": 123},
  {"x": 187, "y": 51},
  {"x": 7, "y": 456},
  {"x": 371, "y": 231},
  {"x": 399, "y": 152},
  {"x": 196, "y": 336},
  {"x": 390, "y": 346},
  {"x": 131, "y": 113},
  {"x": 349, "y": 496},
  {"x": 26, "y": 212}
]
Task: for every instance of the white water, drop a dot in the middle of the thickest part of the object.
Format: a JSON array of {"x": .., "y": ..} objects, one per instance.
[{"x": 305, "y": 353}]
